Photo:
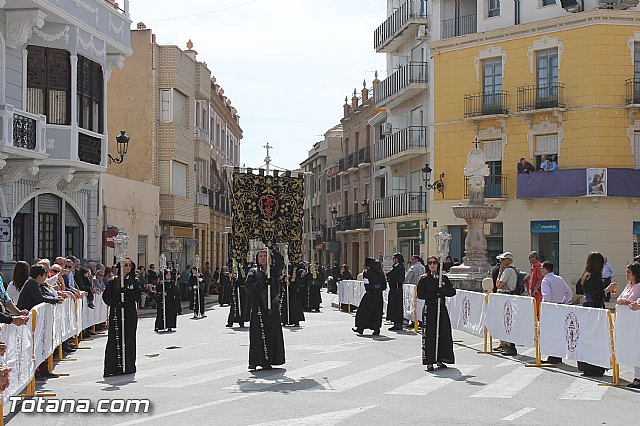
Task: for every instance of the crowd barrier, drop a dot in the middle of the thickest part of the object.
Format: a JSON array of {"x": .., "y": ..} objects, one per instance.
[
  {"x": 511, "y": 318},
  {"x": 350, "y": 292},
  {"x": 30, "y": 345},
  {"x": 467, "y": 310},
  {"x": 627, "y": 336}
]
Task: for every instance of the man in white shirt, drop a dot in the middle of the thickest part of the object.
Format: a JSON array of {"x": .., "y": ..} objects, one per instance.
[{"x": 554, "y": 290}]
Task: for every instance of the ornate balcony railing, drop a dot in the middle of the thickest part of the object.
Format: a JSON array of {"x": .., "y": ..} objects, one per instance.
[
  {"x": 460, "y": 26},
  {"x": 413, "y": 137},
  {"x": 400, "y": 205},
  {"x": 479, "y": 104},
  {"x": 632, "y": 96},
  {"x": 406, "y": 75},
  {"x": 24, "y": 132},
  {"x": 89, "y": 149},
  {"x": 351, "y": 161},
  {"x": 21, "y": 129},
  {"x": 341, "y": 164},
  {"x": 410, "y": 10},
  {"x": 363, "y": 156},
  {"x": 495, "y": 186},
  {"x": 540, "y": 97},
  {"x": 353, "y": 221}
]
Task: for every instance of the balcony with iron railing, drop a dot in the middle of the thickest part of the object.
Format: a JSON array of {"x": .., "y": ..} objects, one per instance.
[
  {"x": 400, "y": 26},
  {"x": 351, "y": 161},
  {"x": 402, "y": 144},
  {"x": 482, "y": 104},
  {"x": 405, "y": 83},
  {"x": 544, "y": 96},
  {"x": 632, "y": 96},
  {"x": 202, "y": 199},
  {"x": 495, "y": 186},
  {"x": 352, "y": 222},
  {"x": 341, "y": 163},
  {"x": 363, "y": 156},
  {"x": 459, "y": 26},
  {"x": 409, "y": 203},
  {"x": 218, "y": 202},
  {"x": 22, "y": 134}
]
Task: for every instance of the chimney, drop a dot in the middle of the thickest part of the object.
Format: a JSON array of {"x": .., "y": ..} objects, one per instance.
[
  {"x": 354, "y": 99},
  {"x": 365, "y": 92},
  {"x": 190, "y": 52},
  {"x": 346, "y": 107},
  {"x": 141, "y": 26}
]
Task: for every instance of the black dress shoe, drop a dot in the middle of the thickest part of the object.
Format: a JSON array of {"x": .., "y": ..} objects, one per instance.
[
  {"x": 267, "y": 367},
  {"x": 395, "y": 328},
  {"x": 252, "y": 368},
  {"x": 358, "y": 330},
  {"x": 509, "y": 352},
  {"x": 49, "y": 375},
  {"x": 441, "y": 365},
  {"x": 229, "y": 325},
  {"x": 430, "y": 368}
]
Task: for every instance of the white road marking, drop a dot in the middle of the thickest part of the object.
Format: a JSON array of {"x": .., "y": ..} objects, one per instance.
[
  {"x": 289, "y": 377},
  {"x": 518, "y": 414},
  {"x": 328, "y": 349},
  {"x": 333, "y": 418},
  {"x": 510, "y": 362},
  {"x": 510, "y": 384},
  {"x": 184, "y": 382},
  {"x": 584, "y": 390},
  {"x": 363, "y": 377},
  {"x": 431, "y": 382}
]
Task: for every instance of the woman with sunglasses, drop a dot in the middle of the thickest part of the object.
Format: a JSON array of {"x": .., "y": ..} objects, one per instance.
[{"x": 430, "y": 291}]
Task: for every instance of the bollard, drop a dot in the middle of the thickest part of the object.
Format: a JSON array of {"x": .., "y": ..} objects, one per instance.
[{"x": 536, "y": 337}]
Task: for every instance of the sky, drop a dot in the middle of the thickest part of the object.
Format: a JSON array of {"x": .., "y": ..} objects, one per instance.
[{"x": 286, "y": 65}]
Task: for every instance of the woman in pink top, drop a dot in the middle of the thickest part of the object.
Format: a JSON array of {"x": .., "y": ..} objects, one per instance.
[{"x": 631, "y": 296}]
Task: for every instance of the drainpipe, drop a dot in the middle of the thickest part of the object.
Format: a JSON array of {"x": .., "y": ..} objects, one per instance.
[{"x": 517, "y": 12}]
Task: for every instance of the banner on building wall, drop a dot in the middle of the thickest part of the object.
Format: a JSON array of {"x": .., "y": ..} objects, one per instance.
[
  {"x": 596, "y": 182},
  {"x": 269, "y": 209}
]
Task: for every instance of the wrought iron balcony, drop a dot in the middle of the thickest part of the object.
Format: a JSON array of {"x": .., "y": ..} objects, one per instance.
[
  {"x": 400, "y": 25},
  {"x": 341, "y": 165},
  {"x": 479, "y": 104},
  {"x": 531, "y": 98},
  {"x": 409, "y": 141},
  {"x": 400, "y": 205},
  {"x": 459, "y": 26},
  {"x": 405, "y": 83},
  {"x": 352, "y": 222},
  {"x": 495, "y": 186},
  {"x": 22, "y": 133},
  {"x": 351, "y": 161},
  {"x": 202, "y": 199},
  {"x": 633, "y": 91},
  {"x": 363, "y": 156},
  {"x": 89, "y": 149}
]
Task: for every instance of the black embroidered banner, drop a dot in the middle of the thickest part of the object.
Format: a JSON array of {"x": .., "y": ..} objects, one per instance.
[{"x": 269, "y": 209}]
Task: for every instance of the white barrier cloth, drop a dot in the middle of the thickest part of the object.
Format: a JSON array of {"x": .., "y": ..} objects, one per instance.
[
  {"x": 575, "y": 332},
  {"x": 627, "y": 336},
  {"x": 18, "y": 357},
  {"x": 410, "y": 300},
  {"x": 510, "y": 318},
  {"x": 467, "y": 310},
  {"x": 351, "y": 292},
  {"x": 43, "y": 334}
]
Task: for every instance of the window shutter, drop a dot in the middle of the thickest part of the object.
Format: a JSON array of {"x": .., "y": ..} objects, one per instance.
[
  {"x": 547, "y": 144},
  {"x": 164, "y": 176},
  {"x": 493, "y": 150},
  {"x": 178, "y": 179},
  {"x": 165, "y": 105},
  {"x": 142, "y": 244},
  {"x": 636, "y": 150}
]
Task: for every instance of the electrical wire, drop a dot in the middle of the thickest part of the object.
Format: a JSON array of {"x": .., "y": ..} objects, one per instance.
[{"x": 204, "y": 13}]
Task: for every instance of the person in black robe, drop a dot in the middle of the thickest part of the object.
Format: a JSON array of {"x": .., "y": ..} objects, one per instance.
[
  {"x": 291, "y": 312},
  {"x": 266, "y": 343},
  {"x": 174, "y": 278},
  {"x": 315, "y": 285},
  {"x": 122, "y": 331},
  {"x": 395, "y": 278},
  {"x": 430, "y": 291},
  {"x": 369, "y": 313},
  {"x": 224, "y": 288},
  {"x": 171, "y": 292},
  {"x": 240, "y": 310},
  {"x": 196, "y": 289}
]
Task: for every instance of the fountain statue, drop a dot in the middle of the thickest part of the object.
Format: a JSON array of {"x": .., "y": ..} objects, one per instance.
[{"x": 476, "y": 212}]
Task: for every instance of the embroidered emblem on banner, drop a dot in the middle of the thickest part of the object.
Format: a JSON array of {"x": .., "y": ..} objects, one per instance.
[
  {"x": 507, "y": 311},
  {"x": 572, "y": 331},
  {"x": 466, "y": 311}
]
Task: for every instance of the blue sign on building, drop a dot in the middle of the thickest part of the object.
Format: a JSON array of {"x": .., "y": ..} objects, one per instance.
[
  {"x": 545, "y": 226},
  {"x": 636, "y": 228}
]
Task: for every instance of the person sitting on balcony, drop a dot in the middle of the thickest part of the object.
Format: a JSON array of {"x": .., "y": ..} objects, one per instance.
[{"x": 525, "y": 167}]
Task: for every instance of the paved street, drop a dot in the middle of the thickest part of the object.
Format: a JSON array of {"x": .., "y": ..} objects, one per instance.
[{"x": 198, "y": 375}]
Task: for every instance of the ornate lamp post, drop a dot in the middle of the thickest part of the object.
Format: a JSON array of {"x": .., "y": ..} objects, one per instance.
[
  {"x": 438, "y": 185},
  {"x": 122, "y": 145},
  {"x": 121, "y": 243}
]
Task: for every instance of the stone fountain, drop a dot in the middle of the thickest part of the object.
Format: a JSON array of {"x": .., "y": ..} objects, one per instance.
[{"x": 476, "y": 212}]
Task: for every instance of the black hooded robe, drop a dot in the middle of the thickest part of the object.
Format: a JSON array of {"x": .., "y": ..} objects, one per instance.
[
  {"x": 395, "y": 309},
  {"x": 172, "y": 312},
  {"x": 369, "y": 313},
  {"x": 429, "y": 291},
  {"x": 291, "y": 311},
  {"x": 240, "y": 310}
]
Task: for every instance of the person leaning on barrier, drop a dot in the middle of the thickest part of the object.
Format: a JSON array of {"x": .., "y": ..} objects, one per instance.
[
  {"x": 506, "y": 284},
  {"x": 554, "y": 289},
  {"x": 630, "y": 296},
  {"x": 594, "y": 290}
]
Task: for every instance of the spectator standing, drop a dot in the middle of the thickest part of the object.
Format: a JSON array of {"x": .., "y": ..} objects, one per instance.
[
  {"x": 416, "y": 269},
  {"x": 206, "y": 273},
  {"x": 607, "y": 277},
  {"x": 506, "y": 284},
  {"x": 630, "y": 296},
  {"x": 535, "y": 278},
  {"x": 215, "y": 277},
  {"x": 19, "y": 276},
  {"x": 554, "y": 289}
]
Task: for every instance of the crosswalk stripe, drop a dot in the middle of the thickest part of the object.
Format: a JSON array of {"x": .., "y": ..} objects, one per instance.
[
  {"x": 160, "y": 370},
  {"x": 199, "y": 378},
  {"x": 510, "y": 384},
  {"x": 289, "y": 376},
  {"x": 432, "y": 382},
  {"x": 363, "y": 377},
  {"x": 584, "y": 390},
  {"x": 510, "y": 362},
  {"x": 518, "y": 414},
  {"x": 334, "y": 417}
]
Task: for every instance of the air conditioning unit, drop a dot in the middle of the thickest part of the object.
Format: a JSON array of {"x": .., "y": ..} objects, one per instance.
[
  {"x": 572, "y": 5},
  {"x": 387, "y": 129},
  {"x": 617, "y": 4},
  {"x": 423, "y": 32}
]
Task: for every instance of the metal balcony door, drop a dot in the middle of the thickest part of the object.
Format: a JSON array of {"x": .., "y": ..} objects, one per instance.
[
  {"x": 492, "y": 86},
  {"x": 416, "y": 120},
  {"x": 547, "y": 78}
]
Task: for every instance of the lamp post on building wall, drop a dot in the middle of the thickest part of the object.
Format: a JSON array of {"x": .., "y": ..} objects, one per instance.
[
  {"x": 122, "y": 145},
  {"x": 438, "y": 185}
]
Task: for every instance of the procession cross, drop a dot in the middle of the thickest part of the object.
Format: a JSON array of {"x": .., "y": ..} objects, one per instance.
[
  {"x": 267, "y": 159},
  {"x": 475, "y": 141}
]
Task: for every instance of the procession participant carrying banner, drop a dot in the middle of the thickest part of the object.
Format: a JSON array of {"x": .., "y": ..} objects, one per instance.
[
  {"x": 510, "y": 318},
  {"x": 43, "y": 333},
  {"x": 18, "y": 357},
  {"x": 467, "y": 310},
  {"x": 627, "y": 336},
  {"x": 576, "y": 333}
]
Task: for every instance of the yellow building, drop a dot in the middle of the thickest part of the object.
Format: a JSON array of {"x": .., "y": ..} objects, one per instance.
[{"x": 562, "y": 87}]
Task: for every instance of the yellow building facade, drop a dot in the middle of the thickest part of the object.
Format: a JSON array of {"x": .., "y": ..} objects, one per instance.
[{"x": 562, "y": 87}]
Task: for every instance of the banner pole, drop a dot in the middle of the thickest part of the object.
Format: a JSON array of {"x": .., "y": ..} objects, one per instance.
[
  {"x": 536, "y": 338},
  {"x": 615, "y": 379}
]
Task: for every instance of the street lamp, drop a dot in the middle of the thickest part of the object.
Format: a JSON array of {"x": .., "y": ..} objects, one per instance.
[
  {"x": 438, "y": 185},
  {"x": 334, "y": 216},
  {"x": 122, "y": 145},
  {"x": 365, "y": 209}
]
